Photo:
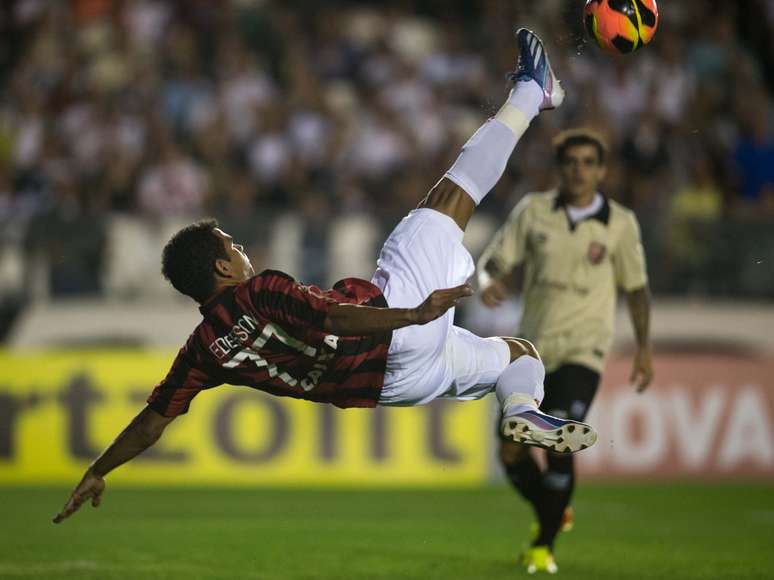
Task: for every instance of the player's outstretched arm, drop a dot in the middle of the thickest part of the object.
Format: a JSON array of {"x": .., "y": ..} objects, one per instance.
[
  {"x": 144, "y": 430},
  {"x": 355, "y": 320}
]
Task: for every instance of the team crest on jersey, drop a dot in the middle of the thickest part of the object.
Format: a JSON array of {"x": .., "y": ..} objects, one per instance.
[{"x": 596, "y": 252}]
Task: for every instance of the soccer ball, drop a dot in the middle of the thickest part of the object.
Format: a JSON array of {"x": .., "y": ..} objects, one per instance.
[{"x": 621, "y": 26}]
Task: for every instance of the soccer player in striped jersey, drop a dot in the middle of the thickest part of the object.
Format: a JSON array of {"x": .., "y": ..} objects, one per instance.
[{"x": 390, "y": 341}]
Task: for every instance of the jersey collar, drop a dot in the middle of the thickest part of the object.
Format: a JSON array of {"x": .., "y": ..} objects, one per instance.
[
  {"x": 603, "y": 215},
  {"x": 212, "y": 301}
]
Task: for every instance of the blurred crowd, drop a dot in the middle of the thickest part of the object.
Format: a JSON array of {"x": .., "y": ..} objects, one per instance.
[{"x": 156, "y": 112}]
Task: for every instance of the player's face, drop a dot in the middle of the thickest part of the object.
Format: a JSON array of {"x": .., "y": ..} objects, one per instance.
[
  {"x": 581, "y": 171},
  {"x": 238, "y": 267}
]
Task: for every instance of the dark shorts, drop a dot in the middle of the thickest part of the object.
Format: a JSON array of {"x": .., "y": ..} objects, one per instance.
[{"x": 569, "y": 392}]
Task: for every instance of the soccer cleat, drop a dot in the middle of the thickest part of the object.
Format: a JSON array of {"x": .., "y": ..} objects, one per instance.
[
  {"x": 539, "y": 559},
  {"x": 552, "y": 433},
  {"x": 534, "y": 65}
]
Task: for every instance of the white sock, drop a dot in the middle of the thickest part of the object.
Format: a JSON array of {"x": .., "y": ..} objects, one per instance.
[
  {"x": 482, "y": 161},
  {"x": 520, "y": 385},
  {"x": 522, "y": 106}
]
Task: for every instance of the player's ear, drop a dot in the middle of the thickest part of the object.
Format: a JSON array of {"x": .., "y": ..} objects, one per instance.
[{"x": 223, "y": 268}]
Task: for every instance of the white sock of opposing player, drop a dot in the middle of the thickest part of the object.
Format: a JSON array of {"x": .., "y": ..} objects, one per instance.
[
  {"x": 520, "y": 386},
  {"x": 482, "y": 161}
]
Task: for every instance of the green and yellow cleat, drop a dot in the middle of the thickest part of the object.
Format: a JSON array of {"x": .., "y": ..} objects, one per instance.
[{"x": 539, "y": 559}]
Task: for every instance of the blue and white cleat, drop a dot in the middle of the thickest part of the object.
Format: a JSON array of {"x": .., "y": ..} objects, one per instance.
[
  {"x": 534, "y": 65},
  {"x": 552, "y": 433}
]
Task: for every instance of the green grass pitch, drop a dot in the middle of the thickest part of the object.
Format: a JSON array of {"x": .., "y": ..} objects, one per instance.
[{"x": 680, "y": 531}]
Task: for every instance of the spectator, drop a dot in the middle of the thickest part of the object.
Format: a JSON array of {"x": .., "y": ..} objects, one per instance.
[
  {"x": 697, "y": 208},
  {"x": 165, "y": 110},
  {"x": 174, "y": 185},
  {"x": 74, "y": 268},
  {"x": 754, "y": 154}
]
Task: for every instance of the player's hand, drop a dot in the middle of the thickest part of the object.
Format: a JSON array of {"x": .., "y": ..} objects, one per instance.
[
  {"x": 90, "y": 487},
  {"x": 642, "y": 370},
  {"x": 439, "y": 302},
  {"x": 494, "y": 293}
]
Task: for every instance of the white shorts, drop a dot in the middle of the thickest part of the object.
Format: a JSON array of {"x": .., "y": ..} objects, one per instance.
[{"x": 423, "y": 254}]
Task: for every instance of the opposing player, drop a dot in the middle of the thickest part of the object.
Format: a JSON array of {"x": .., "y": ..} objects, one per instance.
[
  {"x": 573, "y": 249},
  {"x": 390, "y": 341}
]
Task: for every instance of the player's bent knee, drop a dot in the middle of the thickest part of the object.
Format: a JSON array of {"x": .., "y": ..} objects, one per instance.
[
  {"x": 520, "y": 347},
  {"x": 450, "y": 199},
  {"x": 511, "y": 452}
]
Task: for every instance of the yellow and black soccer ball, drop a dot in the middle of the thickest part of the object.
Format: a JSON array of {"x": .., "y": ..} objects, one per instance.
[{"x": 621, "y": 26}]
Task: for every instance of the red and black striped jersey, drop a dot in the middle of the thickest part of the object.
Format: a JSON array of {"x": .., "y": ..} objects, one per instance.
[{"x": 267, "y": 333}]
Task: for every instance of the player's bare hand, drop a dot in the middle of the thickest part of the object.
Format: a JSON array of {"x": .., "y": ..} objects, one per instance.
[
  {"x": 642, "y": 370},
  {"x": 90, "y": 488},
  {"x": 439, "y": 302},
  {"x": 494, "y": 293}
]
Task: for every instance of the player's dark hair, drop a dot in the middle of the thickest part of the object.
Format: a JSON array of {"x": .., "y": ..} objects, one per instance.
[
  {"x": 574, "y": 137},
  {"x": 188, "y": 260}
]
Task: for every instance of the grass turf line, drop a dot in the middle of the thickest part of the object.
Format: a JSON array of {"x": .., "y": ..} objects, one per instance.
[{"x": 676, "y": 531}]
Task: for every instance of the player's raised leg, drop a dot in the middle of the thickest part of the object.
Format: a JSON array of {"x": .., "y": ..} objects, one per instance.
[
  {"x": 475, "y": 172},
  {"x": 483, "y": 159},
  {"x": 425, "y": 252}
]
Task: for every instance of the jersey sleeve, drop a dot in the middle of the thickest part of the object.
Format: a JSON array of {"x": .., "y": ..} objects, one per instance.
[
  {"x": 629, "y": 257},
  {"x": 509, "y": 245},
  {"x": 183, "y": 382},
  {"x": 278, "y": 297}
]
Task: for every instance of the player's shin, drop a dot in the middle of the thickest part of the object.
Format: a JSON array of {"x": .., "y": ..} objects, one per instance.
[
  {"x": 484, "y": 157},
  {"x": 520, "y": 385}
]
